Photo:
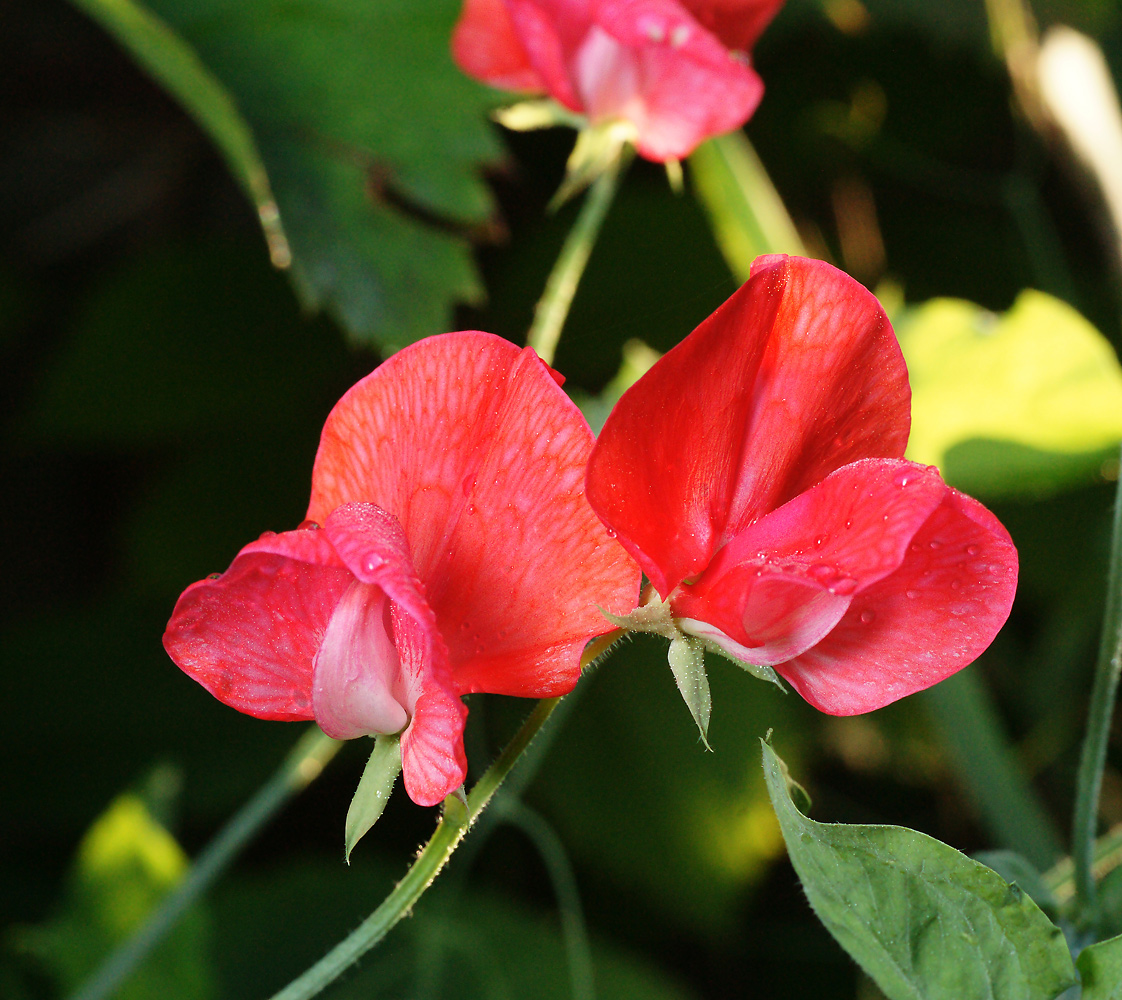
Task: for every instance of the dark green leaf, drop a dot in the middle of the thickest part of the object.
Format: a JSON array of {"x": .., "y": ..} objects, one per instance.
[
  {"x": 924, "y": 921},
  {"x": 371, "y": 142}
]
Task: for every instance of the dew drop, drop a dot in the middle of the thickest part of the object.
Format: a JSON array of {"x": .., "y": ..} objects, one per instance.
[
  {"x": 843, "y": 587},
  {"x": 972, "y": 550},
  {"x": 956, "y": 583},
  {"x": 867, "y": 616},
  {"x": 820, "y": 571},
  {"x": 902, "y": 479},
  {"x": 308, "y": 526},
  {"x": 934, "y": 543},
  {"x": 820, "y": 540},
  {"x": 849, "y": 524},
  {"x": 374, "y": 562},
  {"x": 267, "y": 534},
  {"x": 911, "y": 594},
  {"x": 213, "y": 576},
  {"x": 611, "y": 532},
  {"x": 915, "y": 546}
]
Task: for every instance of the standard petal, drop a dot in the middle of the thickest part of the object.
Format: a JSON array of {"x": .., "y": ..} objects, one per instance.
[
  {"x": 650, "y": 63},
  {"x": 548, "y": 31},
  {"x": 251, "y": 635},
  {"x": 485, "y": 45},
  {"x": 766, "y": 590},
  {"x": 737, "y": 23},
  {"x": 480, "y": 455},
  {"x": 919, "y": 625},
  {"x": 796, "y": 375}
]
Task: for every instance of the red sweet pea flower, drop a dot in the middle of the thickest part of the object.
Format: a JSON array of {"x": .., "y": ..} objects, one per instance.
[
  {"x": 756, "y": 474},
  {"x": 449, "y": 548},
  {"x": 663, "y": 66}
]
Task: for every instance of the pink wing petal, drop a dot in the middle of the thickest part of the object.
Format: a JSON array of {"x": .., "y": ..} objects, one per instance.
[
  {"x": 919, "y": 625},
  {"x": 649, "y": 62},
  {"x": 547, "y": 36},
  {"x": 471, "y": 444},
  {"x": 485, "y": 45},
  {"x": 251, "y": 635},
  {"x": 796, "y": 375},
  {"x": 737, "y": 23},
  {"x": 765, "y": 590}
]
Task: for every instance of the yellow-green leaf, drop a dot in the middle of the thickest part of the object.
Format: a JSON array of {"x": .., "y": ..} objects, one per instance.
[{"x": 1025, "y": 402}]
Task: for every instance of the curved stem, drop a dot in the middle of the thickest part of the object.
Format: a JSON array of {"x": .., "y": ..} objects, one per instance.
[
  {"x": 1093, "y": 759},
  {"x": 300, "y": 768},
  {"x": 553, "y": 307},
  {"x": 458, "y": 816}
]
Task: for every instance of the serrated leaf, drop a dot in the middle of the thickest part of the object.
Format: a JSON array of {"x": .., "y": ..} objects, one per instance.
[
  {"x": 374, "y": 788},
  {"x": 924, "y": 921},
  {"x": 1022, "y": 403},
  {"x": 370, "y": 139},
  {"x": 687, "y": 663},
  {"x": 1100, "y": 968}
]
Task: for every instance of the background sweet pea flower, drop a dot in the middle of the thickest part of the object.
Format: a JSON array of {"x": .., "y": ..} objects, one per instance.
[
  {"x": 448, "y": 549},
  {"x": 756, "y": 473},
  {"x": 677, "y": 73}
]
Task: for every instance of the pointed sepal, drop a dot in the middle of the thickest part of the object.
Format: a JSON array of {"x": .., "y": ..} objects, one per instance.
[
  {"x": 373, "y": 790},
  {"x": 687, "y": 663}
]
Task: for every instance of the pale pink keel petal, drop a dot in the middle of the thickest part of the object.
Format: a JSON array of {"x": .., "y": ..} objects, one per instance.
[
  {"x": 796, "y": 375},
  {"x": 480, "y": 455},
  {"x": 357, "y": 687},
  {"x": 919, "y": 625},
  {"x": 251, "y": 635}
]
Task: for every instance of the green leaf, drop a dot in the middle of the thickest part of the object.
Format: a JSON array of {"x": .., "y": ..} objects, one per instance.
[
  {"x": 1014, "y": 867},
  {"x": 374, "y": 789},
  {"x": 923, "y": 920},
  {"x": 126, "y": 864},
  {"x": 687, "y": 663},
  {"x": 1100, "y": 968},
  {"x": 354, "y": 133},
  {"x": 1023, "y": 403},
  {"x": 747, "y": 215}
]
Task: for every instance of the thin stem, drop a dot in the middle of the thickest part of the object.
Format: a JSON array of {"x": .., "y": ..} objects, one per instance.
[
  {"x": 1093, "y": 759},
  {"x": 300, "y": 768},
  {"x": 553, "y": 307},
  {"x": 457, "y": 819}
]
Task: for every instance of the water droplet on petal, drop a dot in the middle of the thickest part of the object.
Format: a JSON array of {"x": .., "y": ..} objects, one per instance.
[
  {"x": 843, "y": 587},
  {"x": 972, "y": 550},
  {"x": 266, "y": 534},
  {"x": 912, "y": 594},
  {"x": 867, "y": 616},
  {"x": 611, "y": 532},
  {"x": 849, "y": 524},
  {"x": 820, "y": 571},
  {"x": 307, "y": 526},
  {"x": 956, "y": 583},
  {"x": 213, "y": 576},
  {"x": 820, "y": 540},
  {"x": 934, "y": 543},
  {"x": 902, "y": 479}
]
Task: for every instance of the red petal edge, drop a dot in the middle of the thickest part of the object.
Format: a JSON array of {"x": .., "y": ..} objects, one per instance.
[{"x": 933, "y": 616}]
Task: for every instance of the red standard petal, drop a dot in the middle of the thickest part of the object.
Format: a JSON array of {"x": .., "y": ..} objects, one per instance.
[
  {"x": 796, "y": 375},
  {"x": 485, "y": 45},
  {"x": 251, "y": 635},
  {"x": 549, "y": 31},
  {"x": 920, "y": 624},
  {"x": 477, "y": 451},
  {"x": 650, "y": 63},
  {"x": 737, "y": 23},
  {"x": 765, "y": 589}
]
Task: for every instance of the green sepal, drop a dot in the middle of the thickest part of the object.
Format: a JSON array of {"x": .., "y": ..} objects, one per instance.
[
  {"x": 529, "y": 116},
  {"x": 687, "y": 663},
  {"x": 920, "y": 918},
  {"x": 373, "y": 790}
]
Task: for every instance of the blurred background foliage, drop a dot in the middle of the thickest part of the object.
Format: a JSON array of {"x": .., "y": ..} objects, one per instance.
[{"x": 166, "y": 386}]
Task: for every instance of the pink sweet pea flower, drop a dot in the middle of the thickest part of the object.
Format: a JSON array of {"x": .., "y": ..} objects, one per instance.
[
  {"x": 756, "y": 474},
  {"x": 676, "y": 72},
  {"x": 449, "y": 548}
]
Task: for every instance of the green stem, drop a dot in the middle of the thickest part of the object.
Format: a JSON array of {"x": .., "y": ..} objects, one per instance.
[
  {"x": 990, "y": 772},
  {"x": 302, "y": 765},
  {"x": 553, "y": 307},
  {"x": 457, "y": 819},
  {"x": 1093, "y": 759}
]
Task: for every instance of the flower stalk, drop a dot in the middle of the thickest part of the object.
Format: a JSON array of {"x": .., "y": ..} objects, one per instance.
[
  {"x": 1093, "y": 758},
  {"x": 456, "y": 821},
  {"x": 561, "y": 286}
]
